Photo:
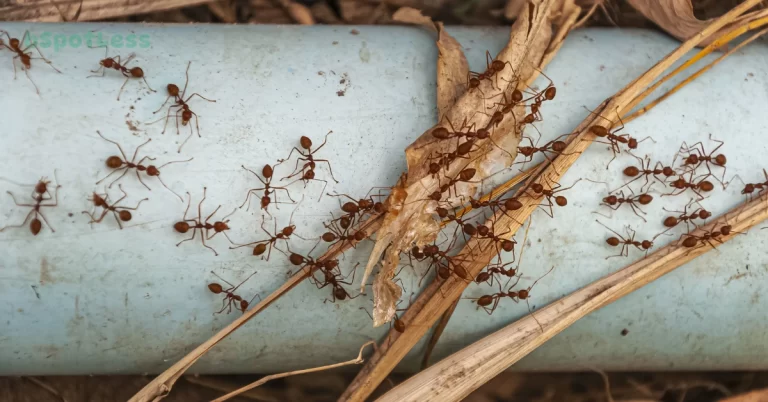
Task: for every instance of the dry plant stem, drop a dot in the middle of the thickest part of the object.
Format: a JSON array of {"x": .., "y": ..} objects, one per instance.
[
  {"x": 46, "y": 387},
  {"x": 439, "y": 328},
  {"x": 357, "y": 360},
  {"x": 760, "y": 395},
  {"x": 45, "y": 10},
  {"x": 503, "y": 188},
  {"x": 162, "y": 384},
  {"x": 224, "y": 386},
  {"x": 438, "y": 297},
  {"x": 484, "y": 359}
]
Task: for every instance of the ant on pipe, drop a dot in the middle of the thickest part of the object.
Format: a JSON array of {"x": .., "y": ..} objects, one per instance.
[
  {"x": 14, "y": 45},
  {"x": 560, "y": 200},
  {"x": 697, "y": 156},
  {"x": 230, "y": 298},
  {"x": 183, "y": 226},
  {"x": 644, "y": 245},
  {"x": 116, "y": 64},
  {"x": 262, "y": 245},
  {"x": 613, "y": 139},
  {"x": 681, "y": 184},
  {"x": 268, "y": 172},
  {"x": 491, "y": 271},
  {"x": 307, "y": 171},
  {"x": 183, "y": 111},
  {"x": 750, "y": 188},
  {"x": 122, "y": 214},
  {"x": 645, "y": 171},
  {"x": 612, "y": 201},
  {"x": 114, "y": 162},
  {"x": 336, "y": 234},
  {"x": 672, "y": 221},
  {"x": 38, "y": 195}
]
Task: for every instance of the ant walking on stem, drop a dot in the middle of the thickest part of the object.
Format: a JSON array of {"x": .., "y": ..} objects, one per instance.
[
  {"x": 14, "y": 45},
  {"x": 116, "y": 64},
  {"x": 40, "y": 194},
  {"x": 230, "y": 298},
  {"x": 183, "y": 111},
  {"x": 183, "y": 226},
  {"x": 114, "y": 162},
  {"x": 122, "y": 214}
]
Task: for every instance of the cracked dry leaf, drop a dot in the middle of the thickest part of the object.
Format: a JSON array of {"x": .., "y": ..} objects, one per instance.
[
  {"x": 413, "y": 223},
  {"x": 559, "y": 8}
]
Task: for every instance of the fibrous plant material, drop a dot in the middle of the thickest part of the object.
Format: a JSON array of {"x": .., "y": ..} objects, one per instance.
[
  {"x": 87, "y": 10},
  {"x": 464, "y": 371},
  {"x": 438, "y": 297}
]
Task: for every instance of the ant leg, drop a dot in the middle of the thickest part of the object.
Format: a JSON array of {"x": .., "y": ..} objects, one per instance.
[
  {"x": 329, "y": 167},
  {"x": 188, "y": 137},
  {"x": 121, "y": 88},
  {"x": 46, "y": 221},
  {"x": 212, "y": 213},
  {"x": 140, "y": 180},
  {"x": 114, "y": 142},
  {"x": 194, "y": 232},
  {"x": 101, "y": 68},
  {"x": 145, "y": 82},
  {"x": 257, "y": 176},
  {"x": 161, "y": 106},
  {"x": 22, "y": 223},
  {"x": 286, "y": 192},
  {"x": 94, "y": 219},
  {"x": 202, "y": 239},
  {"x": 186, "y": 82},
  {"x": 26, "y": 72},
  {"x": 17, "y": 203},
  {"x": 166, "y": 187},
  {"x": 136, "y": 152},
  {"x": 197, "y": 94},
  {"x": 124, "y": 169}
]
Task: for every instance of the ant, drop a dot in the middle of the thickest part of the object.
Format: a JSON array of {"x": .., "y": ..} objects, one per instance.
[
  {"x": 361, "y": 206},
  {"x": 114, "y": 162},
  {"x": 560, "y": 200},
  {"x": 644, "y": 245},
  {"x": 329, "y": 278},
  {"x": 337, "y": 234},
  {"x": 122, "y": 214},
  {"x": 267, "y": 171},
  {"x": 464, "y": 176},
  {"x": 467, "y": 228},
  {"x": 493, "y": 67},
  {"x": 443, "y": 263},
  {"x": 547, "y": 94},
  {"x": 184, "y": 111},
  {"x": 262, "y": 245},
  {"x": 614, "y": 140},
  {"x": 483, "y": 232},
  {"x": 230, "y": 297},
  {"x": 697, "y": 155},
  {"x": 672, "y": 221},
  {"x": 183, "y": 226},
  {"x": 750, "y": 188},
  {"x": 14, "y": 45},
  {"x": 642, "y": 199},
  {"x": 681, "y": 184},
  {"x": 490, "y": 273},
  {"x": 38, "y": 196},
  {"x": 307, "y": 171},
  {"x": 116, "y": 64},
  {"x": 555, "y": 146},
  {"x": 693, "y": 240},
  {"x": 644, "y": 170}
]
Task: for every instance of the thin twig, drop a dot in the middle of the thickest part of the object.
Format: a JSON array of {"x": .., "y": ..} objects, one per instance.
[{"x": 46, "y": 387}]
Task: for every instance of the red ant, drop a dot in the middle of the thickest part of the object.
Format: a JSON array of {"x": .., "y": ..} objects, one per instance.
[
  {"x": 307, "y": 171},
  {"x": 38, "y": 196},
  {"x": 337, "y": 234},
  {"x": 122, "y": 214},
  {"x": 184, "y": 111},
  {"x": 555, "y": 146},
  {"x": 681, "y": 184},
  {"x": 218, "y": 227},
  {"x": 672, "y": 221},
  {"x": 467, "y": 228},
  {"x": 491, "y": 271},
  {"x": 644, "y": 170},
  {"x": 443, "y": 263},
  {"x": 230, "y": 297},
  {"x": 493, "y": 67},
  {"x": 329, "y": 277},
  {"x": 697, "y": 156},
  {"x": 115, "y": 64},
  {"x": 462, "y": 177},
  {"x": 614, "y": 140},
  {"x": 693, "y": 240},
  {"x": 262, "y": 245},
  {"x": 508, "y": 245},
  {"x": 267, "y": 171},
  {"x": 642, "y": 199},
  {"x": 560, "y": 200},
  {"x": 547, "y": 94},
  {"x": 750, "y": 188},
  {"x": 361, "y": 206},
  {"x": 114, "y": 162},
  {"x": 14, "y": 45},
  {"x": 644, "y": 245}
]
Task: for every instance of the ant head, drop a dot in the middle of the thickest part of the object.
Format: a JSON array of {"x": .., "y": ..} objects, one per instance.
[
  {"x": 309, "y": 175},
  {"x": 513, "y": 204},
  {"x": 181, "y": 227},
  {"x": 114, "y": 162},
  {"x": 550, "y": 93},
  {"x": 670, "y": 222},
  {"x": 467, "y": 174},
  {"x": 267, "y": 171},
  {"x": 690, "y": 242},
  {"x": 720, "y": 160},
  {"x": 482, "y": 230},
  {"x": 137, "y": 72},
  {"x": 611, "y": 200},
  {"x": 704, "y": 214},
  {"x": 612, "y": 241},
  {"x": 108, "y": 62},
  {"x": 668, "y": 171},
  {"x": 339, "y": 292},
  {"x": 706, "y": 185},
  {"x": 220, "y": 226},
  {"x": 599, "y": 131},
  {"x": 14, "y": 43},
  {"x": 441, "y": 212},
  {"x": 483, "y": 277},
  {"x": 41, "y": 186},
  {"x": 632, "y": 144},
  {"x": 523, "y": 294},
  {"x": 296, "y": 259},
  {"x": 561, "y": 201},
  {"x": 97, "y": 200},
  {"x": 153, "y": 171},
  {"x": 173, "y": 90},
  {"x": 440, "y": 133},
  {"x": 288, "y": 230},
  {"x": 215, "y": 288},
  {"x": 631, "y": 171},
  {"x": 350, "y": 207},
  {"x": 260, "y": 249},
  {"x": 646, "y": 244},
  {"x": 305, "y": 142},
  {"x": 186, "y": 115},
  {"x": 124, "y": 215},
  {"x": 645, "y": 199},
  {"x": 328, "y": 237},
  {"x": 35, "y": 226}
]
